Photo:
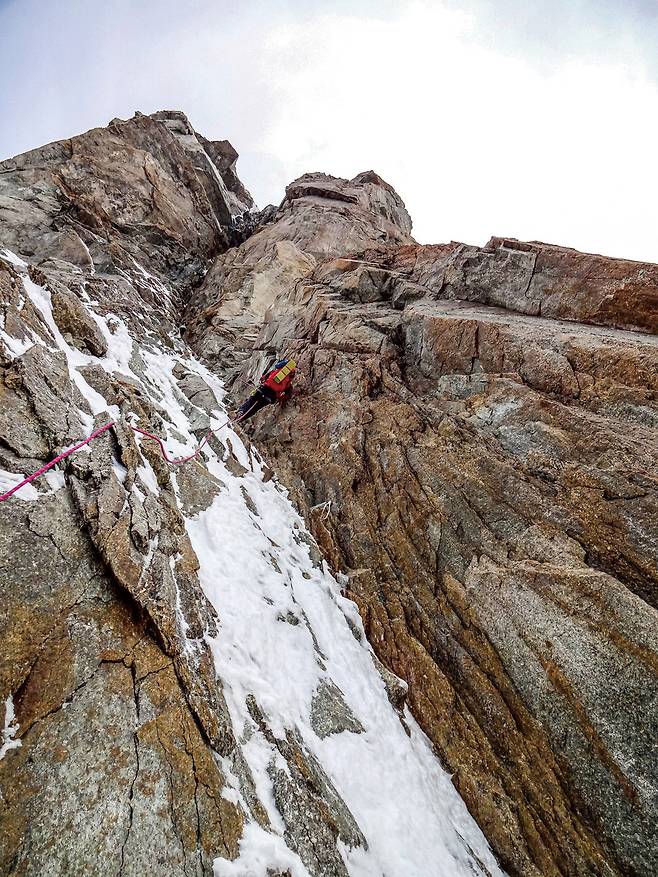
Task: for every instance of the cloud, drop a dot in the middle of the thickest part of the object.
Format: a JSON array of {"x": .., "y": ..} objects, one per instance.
[
  {"x": 548, "y": 30},
  {"x": 477, "y": 142},
  {"x": 532, "y": 119}
]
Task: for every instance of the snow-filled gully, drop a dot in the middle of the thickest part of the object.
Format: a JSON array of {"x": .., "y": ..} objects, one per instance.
[{"x": 284, "y": 630}]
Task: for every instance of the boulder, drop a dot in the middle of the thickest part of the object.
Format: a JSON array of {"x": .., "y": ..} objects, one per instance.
[{"x": 73, "y": 319}]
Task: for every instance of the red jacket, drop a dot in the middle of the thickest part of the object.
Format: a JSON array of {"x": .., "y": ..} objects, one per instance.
[{"x": 280, "y": 387}]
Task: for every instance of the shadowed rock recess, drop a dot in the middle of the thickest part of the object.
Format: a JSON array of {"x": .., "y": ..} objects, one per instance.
[{"x": 188, "y": 688}]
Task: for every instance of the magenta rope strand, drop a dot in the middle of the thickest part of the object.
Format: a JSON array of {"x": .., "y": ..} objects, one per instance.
[
  {"x": 173, "y": 461},
  {"x": 57, "y": 459}
]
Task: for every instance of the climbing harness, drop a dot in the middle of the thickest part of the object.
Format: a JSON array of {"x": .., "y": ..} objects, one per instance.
[{"x": 172, "y": 461}]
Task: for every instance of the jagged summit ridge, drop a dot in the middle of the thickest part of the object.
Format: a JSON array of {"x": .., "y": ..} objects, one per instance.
[
  {"x": 367, "y": 190},
  {"x": 139, "y": 189}
]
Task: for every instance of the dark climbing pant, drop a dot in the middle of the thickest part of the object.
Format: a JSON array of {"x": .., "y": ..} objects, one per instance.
[{"x": 259, "y": 399}]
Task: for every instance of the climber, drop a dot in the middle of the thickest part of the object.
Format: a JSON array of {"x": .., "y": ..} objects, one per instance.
[{"x": 275, "y": 386}]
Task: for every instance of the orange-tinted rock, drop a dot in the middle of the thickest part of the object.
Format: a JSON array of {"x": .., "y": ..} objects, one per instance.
[
  {"x": 538, "y": 279},
  {"x": 486, "y": 478},
  {"x": 112, "y": 774}
]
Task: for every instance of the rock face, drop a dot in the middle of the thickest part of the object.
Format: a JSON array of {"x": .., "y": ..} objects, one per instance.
[
  {"x": 119, "y": 715},
  {"x": 186, "y": 685},
  {"x": 540, "y": 280},
  {"x": 185, "y": 688},
  {"x": 474, "y": 445},
  {"x": 105, "y": 724},
  {"x": 320, "y": 215},
  {"x": 143, "y": 190}
]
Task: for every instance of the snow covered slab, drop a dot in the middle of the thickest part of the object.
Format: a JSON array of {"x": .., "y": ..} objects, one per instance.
[{"x": 285, "y": 635}]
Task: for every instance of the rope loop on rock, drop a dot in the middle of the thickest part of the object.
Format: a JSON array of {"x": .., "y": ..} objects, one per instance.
[{"x": 175, "y": 461}]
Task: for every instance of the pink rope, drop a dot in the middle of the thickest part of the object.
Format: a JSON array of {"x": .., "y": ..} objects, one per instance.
[
  {"x": 176, "y": 461},
  {"x": 179, "y": 460},
  {"x": 100, "y": 431},
  {"x": 57, "y": 459}
]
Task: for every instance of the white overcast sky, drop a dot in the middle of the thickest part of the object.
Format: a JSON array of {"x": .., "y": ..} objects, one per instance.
[{"x": 536, "y": 119}]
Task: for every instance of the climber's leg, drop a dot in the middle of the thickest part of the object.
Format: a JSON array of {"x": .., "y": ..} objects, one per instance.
[{"x": 252, "y": 405}]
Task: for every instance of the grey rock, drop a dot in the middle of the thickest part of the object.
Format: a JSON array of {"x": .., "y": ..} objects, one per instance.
[
  {"x": 315, "y": 816},
  {"x": 73, "y": 318},
  {"x": 198, "y": 488},
  {"x": 200, "y": 395},
  {"x": 329, "y": 712},
  {"x": 289, "y": 618},
  {"x": 39, "y": 412}
]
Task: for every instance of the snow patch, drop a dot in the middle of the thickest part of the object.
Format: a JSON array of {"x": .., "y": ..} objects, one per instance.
[
  {"x": 147, "y": 475},
  {"x": 13, "y": 259},
  {"x": 261, "y": 853},
  {"x": 40, "y": 298},
  {"x": 10, "y": 730},
  {"x": 55, "y": 480},
  {"x": 10, "y": 479},
  {"x": 17, "y": 346},
  {"x": 29, "y": 493},
  {"x": 119, "y": 470}
]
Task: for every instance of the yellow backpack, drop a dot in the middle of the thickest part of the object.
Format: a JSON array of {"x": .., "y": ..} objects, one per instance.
[{"x": 290, "y": 366}]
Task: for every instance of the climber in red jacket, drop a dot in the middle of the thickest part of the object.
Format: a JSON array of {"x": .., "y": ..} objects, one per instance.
[{"x": 275, "y": 386}]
